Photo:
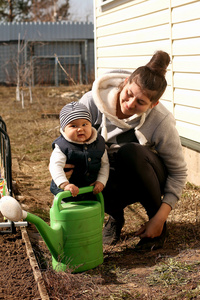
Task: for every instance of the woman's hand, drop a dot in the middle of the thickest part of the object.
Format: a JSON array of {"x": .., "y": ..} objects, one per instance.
[
  {"x": 154, "y": 226},
  {"x": 151, "y": 229},
  {"x": 68, "y": 169},
  {"x": 98, "y": 187}
]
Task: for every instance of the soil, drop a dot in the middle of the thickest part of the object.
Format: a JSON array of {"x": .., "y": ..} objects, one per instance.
[
  {"x": 16, "y": 280},
  {"x": 169, "y": 273}
]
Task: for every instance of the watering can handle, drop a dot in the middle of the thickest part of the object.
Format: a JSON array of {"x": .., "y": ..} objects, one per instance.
[{"x": 83, "y": 190}]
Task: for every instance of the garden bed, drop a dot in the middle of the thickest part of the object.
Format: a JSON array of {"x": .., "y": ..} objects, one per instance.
[{"x": 169, "y": 273}]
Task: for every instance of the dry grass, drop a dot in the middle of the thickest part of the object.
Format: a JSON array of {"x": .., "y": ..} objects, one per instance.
[{"x": 73, "y": 286}]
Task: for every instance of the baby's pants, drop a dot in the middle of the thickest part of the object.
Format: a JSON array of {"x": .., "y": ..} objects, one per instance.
[{"x": 137, "y": 175}]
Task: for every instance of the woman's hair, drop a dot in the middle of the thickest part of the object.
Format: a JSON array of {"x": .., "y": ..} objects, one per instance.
[{"x": 151, "y": 77}]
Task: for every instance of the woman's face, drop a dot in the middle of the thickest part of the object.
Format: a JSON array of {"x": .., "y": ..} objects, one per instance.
[{"x": 132, "y": 101}]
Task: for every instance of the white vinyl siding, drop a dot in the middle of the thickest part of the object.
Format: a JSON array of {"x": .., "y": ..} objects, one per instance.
[
  {"x": 185, "y": 26},
  {"x": 129, "y": 32}
]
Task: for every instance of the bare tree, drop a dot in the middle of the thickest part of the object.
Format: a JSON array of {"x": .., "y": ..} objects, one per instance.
[
  {"x": 23, "y": 73},
  {"x": 34, "y": 10},
  {"x": 49, "y": 11},
  {"x": 10, "y": 16}
]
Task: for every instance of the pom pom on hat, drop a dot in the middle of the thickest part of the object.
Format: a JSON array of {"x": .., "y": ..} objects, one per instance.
[{"x": 74, "y": 111}]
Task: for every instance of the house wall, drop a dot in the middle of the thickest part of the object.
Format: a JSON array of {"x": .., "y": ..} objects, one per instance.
[{"x": 127, "y": 33}]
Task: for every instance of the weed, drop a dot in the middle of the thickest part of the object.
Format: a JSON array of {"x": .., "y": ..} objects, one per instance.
[
  {"x": 192, "y": 186},
  {"x": 172, "y": 272}
]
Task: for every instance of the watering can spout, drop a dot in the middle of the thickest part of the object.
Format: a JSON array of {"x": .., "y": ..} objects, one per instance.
[{"x": 53, "y": 237}]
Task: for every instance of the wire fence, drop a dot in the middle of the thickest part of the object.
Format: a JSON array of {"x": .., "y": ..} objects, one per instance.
[
  {"x": 41, "y": 62},
  {"x": 42, "y": 58}
]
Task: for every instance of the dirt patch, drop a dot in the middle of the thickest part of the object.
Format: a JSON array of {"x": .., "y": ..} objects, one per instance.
[
  {"x": 16, "y": 280},
  {"x": 170, "y": 273}
]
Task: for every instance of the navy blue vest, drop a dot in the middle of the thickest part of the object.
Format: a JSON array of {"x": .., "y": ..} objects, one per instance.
[{"x": 85, "y": 157}]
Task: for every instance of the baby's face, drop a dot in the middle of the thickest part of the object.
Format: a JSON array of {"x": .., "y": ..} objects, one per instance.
[{"x": 79, "y": 130}]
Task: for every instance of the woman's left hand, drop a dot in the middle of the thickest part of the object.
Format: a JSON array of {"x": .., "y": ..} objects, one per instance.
[
  {"x": 151, "y": 229},
  {"x": 154, "y": 226}
]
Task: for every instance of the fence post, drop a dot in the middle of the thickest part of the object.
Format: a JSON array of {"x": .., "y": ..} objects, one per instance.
[
  {"x": 18, "y": 75},
  {"x": 86, "y": 61},
  {"x": 56, "y": 71},
  {"x": 80, "y": 70}
]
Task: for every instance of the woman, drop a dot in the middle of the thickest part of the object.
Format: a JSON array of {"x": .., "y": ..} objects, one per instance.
[{"x": 145, "y": 153}]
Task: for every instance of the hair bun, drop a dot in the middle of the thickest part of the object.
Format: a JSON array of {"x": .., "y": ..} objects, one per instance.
[{"x": 159, "y": 63}]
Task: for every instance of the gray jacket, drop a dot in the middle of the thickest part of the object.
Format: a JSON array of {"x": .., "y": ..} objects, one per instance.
[{"x": 154, "y": 129}]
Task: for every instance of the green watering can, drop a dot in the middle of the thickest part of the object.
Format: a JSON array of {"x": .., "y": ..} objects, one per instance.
[{"x": 74, "y": 236}]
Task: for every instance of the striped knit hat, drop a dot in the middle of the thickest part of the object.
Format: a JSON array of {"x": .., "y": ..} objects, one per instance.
[{"x": 74, "y": 111}]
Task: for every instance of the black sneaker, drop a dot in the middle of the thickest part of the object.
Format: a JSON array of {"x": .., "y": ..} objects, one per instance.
[
  {"x": 150, "y": 244},
  {"x": 112, "y": 231}
]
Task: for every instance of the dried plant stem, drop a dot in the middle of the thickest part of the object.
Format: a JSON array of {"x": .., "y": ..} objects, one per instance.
[{"x": 65, "y": 70}]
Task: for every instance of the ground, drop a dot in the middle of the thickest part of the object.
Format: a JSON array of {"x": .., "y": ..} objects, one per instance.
[{"x": 170, "y": 273}]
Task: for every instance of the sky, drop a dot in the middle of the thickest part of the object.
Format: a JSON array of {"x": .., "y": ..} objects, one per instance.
[{"x": 81, "y": 10}]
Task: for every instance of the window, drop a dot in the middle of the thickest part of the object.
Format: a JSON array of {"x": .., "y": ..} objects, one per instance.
[{"x": 108, "y": 4}]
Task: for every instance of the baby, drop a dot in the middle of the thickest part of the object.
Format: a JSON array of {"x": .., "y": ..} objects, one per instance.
[{"x": 80, "y": 145}]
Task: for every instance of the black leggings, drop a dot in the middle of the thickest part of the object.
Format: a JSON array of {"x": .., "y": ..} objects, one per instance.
[{"x": 138, "y": 175}]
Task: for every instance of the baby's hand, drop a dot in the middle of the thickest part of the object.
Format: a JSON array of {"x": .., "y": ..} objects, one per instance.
[
  {"x": 98, "y": 187},
  {"x": 72, "y": 188}
]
